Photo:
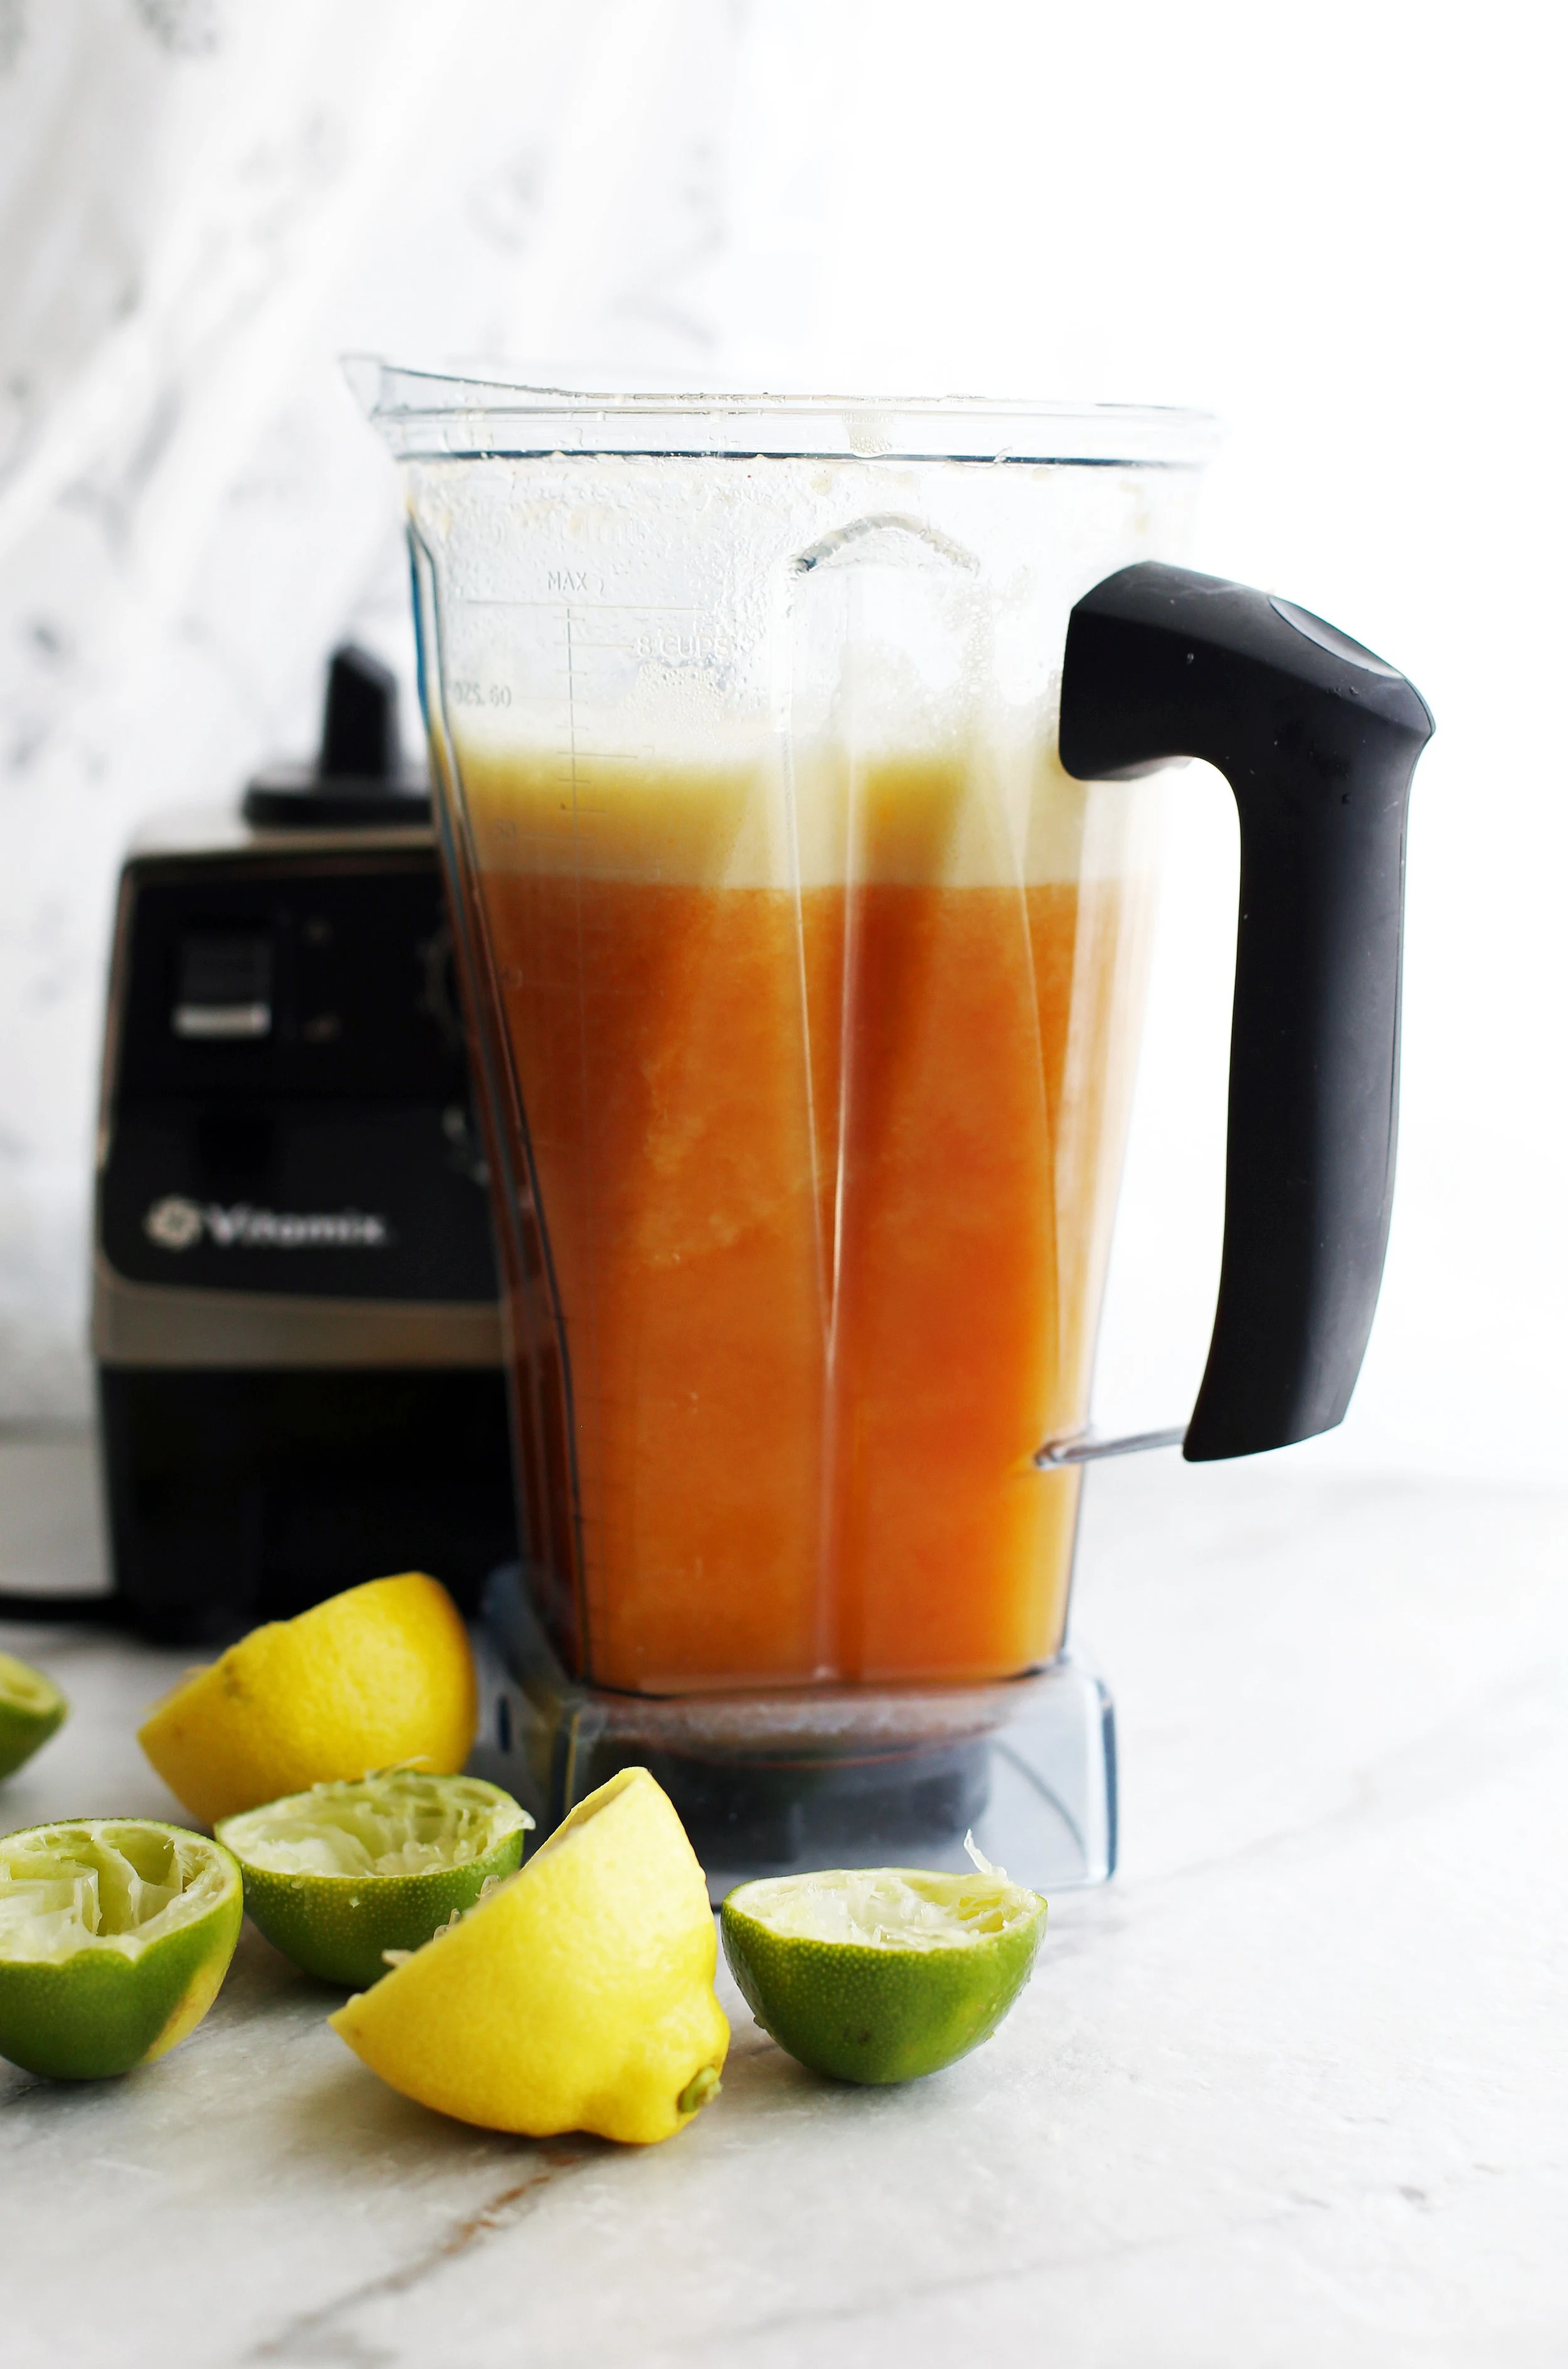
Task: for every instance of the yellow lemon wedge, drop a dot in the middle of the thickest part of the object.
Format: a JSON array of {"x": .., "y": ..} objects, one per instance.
[
  {"x": 380, "y": 1676},
  {"x": 577, "y": 1996}
]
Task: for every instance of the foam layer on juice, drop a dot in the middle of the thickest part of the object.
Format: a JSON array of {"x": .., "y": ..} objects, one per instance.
[
  {"x": 825, "y": 1073},
  {"x": 929, "y": 818}
]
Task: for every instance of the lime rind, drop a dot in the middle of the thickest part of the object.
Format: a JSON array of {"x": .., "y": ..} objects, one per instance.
[
  {"x": 115, "y": 1938},
  {"x": 31, "y": 1708},
  {"x": 344, "y": 1874},
  {"x": 881, "y": 1974}
]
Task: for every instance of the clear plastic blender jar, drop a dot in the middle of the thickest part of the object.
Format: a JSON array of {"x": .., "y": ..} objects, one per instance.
[{"x": 806, "y": 983}]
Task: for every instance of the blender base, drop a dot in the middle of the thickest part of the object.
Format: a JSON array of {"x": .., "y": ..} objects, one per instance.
[{"x": 787, "y": 1782}]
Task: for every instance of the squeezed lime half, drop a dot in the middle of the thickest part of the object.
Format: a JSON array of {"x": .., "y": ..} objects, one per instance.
[
  {"x": 881, "y": 1973},
  {"x": 31, "y": 1708},
  {"x": 115, "y": 1938},
  {"x": 339, "y": 1875}
]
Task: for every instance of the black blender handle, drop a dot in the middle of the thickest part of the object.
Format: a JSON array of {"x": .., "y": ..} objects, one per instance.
[{"x": 1318, "y": 740}]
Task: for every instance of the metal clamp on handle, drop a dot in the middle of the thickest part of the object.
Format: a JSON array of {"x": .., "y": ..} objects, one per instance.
[
  {"x": 1088, "y": 1448},
  {"x": 1318, "y": 740}
]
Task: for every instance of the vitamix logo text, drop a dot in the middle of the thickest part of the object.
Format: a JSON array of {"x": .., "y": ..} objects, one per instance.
[{"x": 176, "y": 1223}]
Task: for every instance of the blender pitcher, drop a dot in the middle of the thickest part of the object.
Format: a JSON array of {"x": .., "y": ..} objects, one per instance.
[{"x": 790, "y": 759}]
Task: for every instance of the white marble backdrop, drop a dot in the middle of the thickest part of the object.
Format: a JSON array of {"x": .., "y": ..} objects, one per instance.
[
  {"x": 1340, "y": 231},
  {"x": 202, "y": 203}
]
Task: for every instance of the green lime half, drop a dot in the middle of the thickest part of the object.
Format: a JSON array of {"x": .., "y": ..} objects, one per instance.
[
  {"x": 115, "y": 1938},
  {"x": 880, "y": 1973},
  {"x": 337, "y": 1876},
  {"x": 31, "y": 1708}
]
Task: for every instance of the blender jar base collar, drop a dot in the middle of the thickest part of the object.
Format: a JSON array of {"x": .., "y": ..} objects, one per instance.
[{"x": 787, "y": 1782}]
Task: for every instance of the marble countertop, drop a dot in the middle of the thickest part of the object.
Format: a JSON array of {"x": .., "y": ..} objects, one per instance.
[{"x": 1290, "y": 2090}]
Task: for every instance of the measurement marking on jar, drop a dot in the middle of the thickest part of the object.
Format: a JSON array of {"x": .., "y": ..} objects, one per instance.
[{"x": 586, "y": 643}]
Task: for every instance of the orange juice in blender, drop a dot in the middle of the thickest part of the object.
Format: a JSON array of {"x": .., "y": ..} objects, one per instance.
[{"x": 827, "y": 1168}]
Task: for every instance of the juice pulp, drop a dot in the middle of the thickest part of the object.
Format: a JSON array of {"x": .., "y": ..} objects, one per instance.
[{"x": 824, "y": 1172}]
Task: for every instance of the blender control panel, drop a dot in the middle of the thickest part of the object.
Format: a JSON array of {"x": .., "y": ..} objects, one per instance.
[{"x": 288, "y": 1104}]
